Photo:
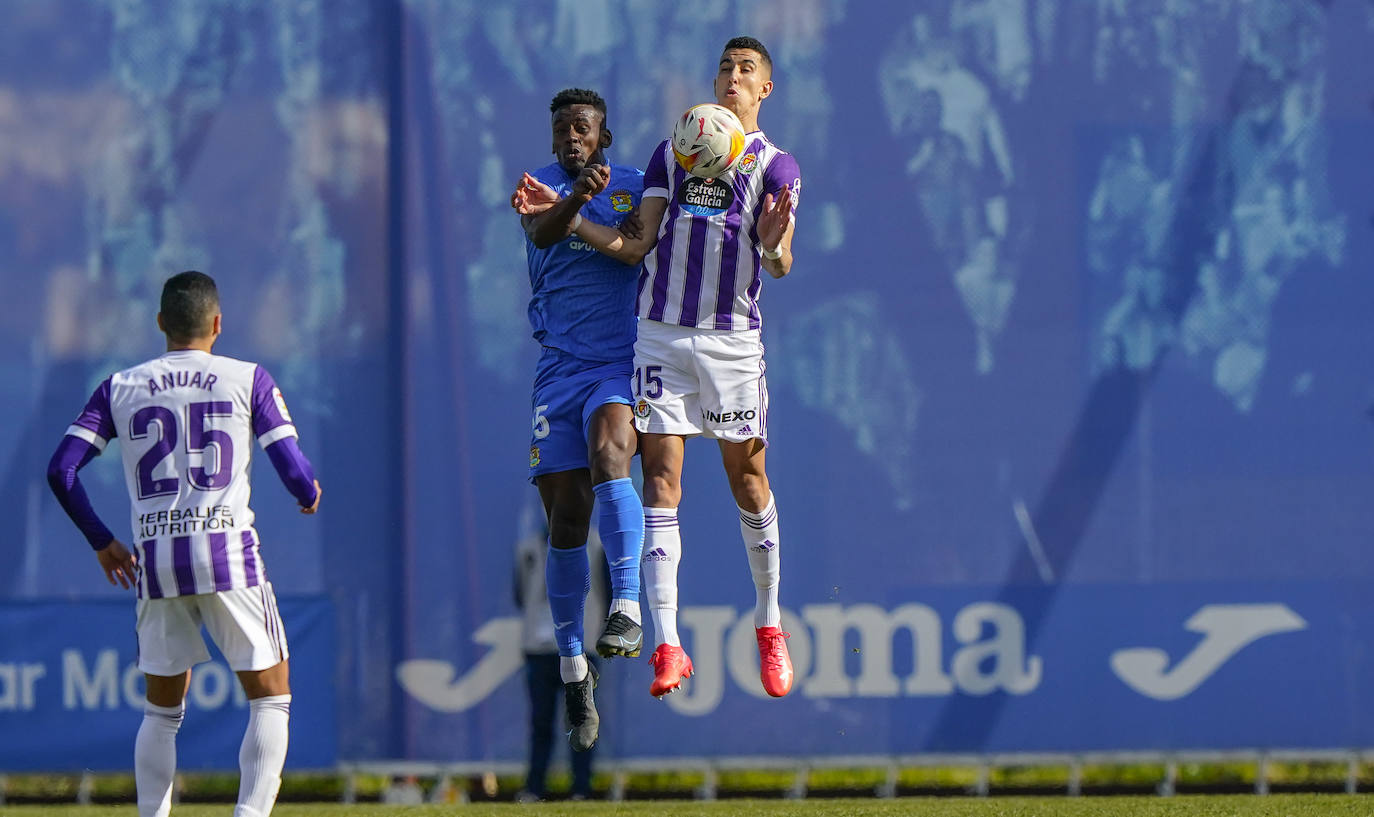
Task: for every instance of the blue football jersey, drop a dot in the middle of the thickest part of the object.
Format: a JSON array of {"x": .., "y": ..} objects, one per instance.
[{"x": 583, "y": 301}]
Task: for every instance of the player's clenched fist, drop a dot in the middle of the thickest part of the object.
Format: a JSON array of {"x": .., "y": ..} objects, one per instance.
[{"x": 592, "y": 180}]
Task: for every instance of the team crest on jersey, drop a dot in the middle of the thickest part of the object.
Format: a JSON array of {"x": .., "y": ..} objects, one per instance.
[
  {"x": 705, "y": 197},
  {"x": 534, "y": 456},
  {"x": 748, "y": 163},
  {"x": 642, "y": 409},
  {"x": 622, "y": 201}
]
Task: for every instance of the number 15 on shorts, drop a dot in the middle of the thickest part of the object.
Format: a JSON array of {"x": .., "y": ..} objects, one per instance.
[{"x": 648, "y": 383}]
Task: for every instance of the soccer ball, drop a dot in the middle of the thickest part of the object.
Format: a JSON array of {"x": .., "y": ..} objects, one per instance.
[{"x": 708, "y": 140}]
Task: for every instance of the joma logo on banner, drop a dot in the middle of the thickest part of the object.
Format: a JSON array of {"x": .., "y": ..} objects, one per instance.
[{"x": 991, "y": 656}]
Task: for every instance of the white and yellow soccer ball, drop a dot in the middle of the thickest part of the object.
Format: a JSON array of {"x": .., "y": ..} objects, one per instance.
[{"x": 708, "y": 140}]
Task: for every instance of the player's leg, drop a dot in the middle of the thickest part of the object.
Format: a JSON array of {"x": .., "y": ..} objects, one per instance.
[
  {"x": 661, "y": 457},
  {"x": 735, "y": 391},
  {"x": 248, "y": 628},
  {"x": 155, "y": 748},
  {"x": 667, "y": 411},
  {"x": 611, "y": 442},
  {"x": 758, "y": 515},
  {"x": 169, "y": 644},
  {"x": 543, "y": 682},
  {"x": 568, "y": 500}
]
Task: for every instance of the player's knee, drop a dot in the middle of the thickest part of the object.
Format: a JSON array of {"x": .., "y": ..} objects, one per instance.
[
  {"x": 568, "y": 526},
  {"x": 661, "y": 492},
  {"x": 750, "y": 490},
  {"x": 610, "y": 459}
]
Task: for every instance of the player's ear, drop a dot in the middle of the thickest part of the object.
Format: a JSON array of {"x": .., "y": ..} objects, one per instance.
[
  {"x": 766, "y": 89},
  {"x": 218, "y": 317},
  {"x": 160, "y": 326},
  {"x": 605, "y": 138}
]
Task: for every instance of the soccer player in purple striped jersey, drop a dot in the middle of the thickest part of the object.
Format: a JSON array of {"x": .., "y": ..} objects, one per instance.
[
  {"x": 583, "y": 436},
  {"x": 189, "y": 419},
  {"x": 698, "y": 357}
]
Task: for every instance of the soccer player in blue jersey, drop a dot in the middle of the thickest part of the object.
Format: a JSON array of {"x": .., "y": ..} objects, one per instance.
[
  {"x": 699, "y": 355},
  {"x": 582, "y": 313},
  {"x": 189, "y": 419}
]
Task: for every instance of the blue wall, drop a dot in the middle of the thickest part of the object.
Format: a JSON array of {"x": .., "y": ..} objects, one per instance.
[{"x": 1071, "y": 380}]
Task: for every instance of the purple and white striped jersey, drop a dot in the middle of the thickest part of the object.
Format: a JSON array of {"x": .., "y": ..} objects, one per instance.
[
  {"x": 704, "y": 270},
  {"x": 189, "y": 419}
]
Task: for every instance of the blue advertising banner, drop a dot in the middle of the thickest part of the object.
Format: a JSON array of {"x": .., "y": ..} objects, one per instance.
[
  {"x": 970, "y": 670},
  {"x": 1070, "y": 390},
  {"x": 71, "y": 694}
]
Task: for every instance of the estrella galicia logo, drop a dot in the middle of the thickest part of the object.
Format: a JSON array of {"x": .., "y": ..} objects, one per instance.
[
  {"x": 622, "y": 201},
  {"x": 705, "y": 197}
]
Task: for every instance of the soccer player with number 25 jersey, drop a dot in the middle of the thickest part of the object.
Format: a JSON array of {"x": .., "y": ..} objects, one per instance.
[{"x": 189, "y": 419}]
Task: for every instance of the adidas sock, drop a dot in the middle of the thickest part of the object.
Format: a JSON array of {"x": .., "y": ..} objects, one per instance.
[
  {"x": 620, "y": 522},
  {"x": 572, "y": 668},
  {"x": 262, "y": 754},
  {"x": 155, "y": 758},
  {"x": 568, "y": 578},
  {"x": 662, "y": 552},
  {"x": 761, "y": 543}
]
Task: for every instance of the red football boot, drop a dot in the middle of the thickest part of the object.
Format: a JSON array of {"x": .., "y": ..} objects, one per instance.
[
  {"x": 775, "y": 666},
  {"x": 670, "y": 665}
]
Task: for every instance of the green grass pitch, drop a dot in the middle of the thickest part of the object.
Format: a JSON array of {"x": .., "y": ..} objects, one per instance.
[{"x": 1278, "y": 805}]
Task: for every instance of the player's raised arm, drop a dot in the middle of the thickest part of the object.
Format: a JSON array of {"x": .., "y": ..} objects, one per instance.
[
  {"x": 547, "y": 218},
  {"x": 619, "y": 246},
  {"x": 775, "y": 233}
]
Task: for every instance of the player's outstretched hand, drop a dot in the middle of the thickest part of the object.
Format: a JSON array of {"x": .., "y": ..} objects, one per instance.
[
  {"x": 777, "y": 214},
  {"x": 319, "y": 492},
  {"x": 532, "y": 197},
  {"x": 118, "y": 563},
  {"x": 592, "y": 180},
  {"x": 632, "y": 227}
]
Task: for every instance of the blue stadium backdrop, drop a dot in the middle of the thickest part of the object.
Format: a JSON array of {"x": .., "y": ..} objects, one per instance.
[{"x": 1071, "y": 382}]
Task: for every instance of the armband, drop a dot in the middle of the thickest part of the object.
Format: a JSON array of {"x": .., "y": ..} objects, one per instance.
[
  {"x": 576, "y": 222},
  {"x": 773, "y": 254}
]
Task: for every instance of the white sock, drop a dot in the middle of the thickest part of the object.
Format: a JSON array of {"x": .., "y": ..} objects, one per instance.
[
  {"x": 155, "y": 758},
  {"x": 629, "y": 607},
  {"x": 662, "y": 552},
  {"x": 262, "y": 754},
  {"x": 761, "y": 543},
  {"x": 572, "y": 668}
]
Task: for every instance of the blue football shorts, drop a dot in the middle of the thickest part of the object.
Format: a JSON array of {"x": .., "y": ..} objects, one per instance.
[{"x": 567, "y": 391}]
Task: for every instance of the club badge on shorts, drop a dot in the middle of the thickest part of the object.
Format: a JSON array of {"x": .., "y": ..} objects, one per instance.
[
  {"x": 534, "y": 456},
  {"x": 642, "y": 409}
]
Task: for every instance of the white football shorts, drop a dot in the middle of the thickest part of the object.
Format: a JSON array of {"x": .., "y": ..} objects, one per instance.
[
  {"x": 244, "y": 623},
  {"x": 700, "y": 381}
]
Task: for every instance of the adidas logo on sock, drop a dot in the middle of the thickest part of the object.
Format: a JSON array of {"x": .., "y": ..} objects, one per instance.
[
  {"x": 767, "y": 545},
  {"x": 657, "y": 555}
]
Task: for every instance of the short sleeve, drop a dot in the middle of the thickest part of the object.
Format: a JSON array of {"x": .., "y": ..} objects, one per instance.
[
  {"x": 95, "y": 424},
  {"x": 271, "y": 420},
  {"x": 656, "y": 174},
  {"x": 782, "y": 172}
]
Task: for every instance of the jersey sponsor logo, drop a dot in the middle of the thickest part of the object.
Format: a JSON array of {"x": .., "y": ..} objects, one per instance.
[
  {"x": 534, "y": 456},
  {"x": 622, "y": 201},
  {"x": 748, "y": 163},
  {"x": 705, "y": 197},
  {"x": 642, "y": 409},
  {"x": 729, "y": 415}
]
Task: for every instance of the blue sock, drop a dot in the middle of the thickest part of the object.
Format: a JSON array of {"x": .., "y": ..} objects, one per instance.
[
  {"x": 621, "y": 524},
  {"x": 568, "y": 580}
]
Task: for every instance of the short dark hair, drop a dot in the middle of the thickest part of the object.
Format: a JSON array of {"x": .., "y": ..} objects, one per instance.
[
  {"x": 751, "y": 44},
  {"x": 190, "y": 301},
  {"x": 579, "y": 96}
]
